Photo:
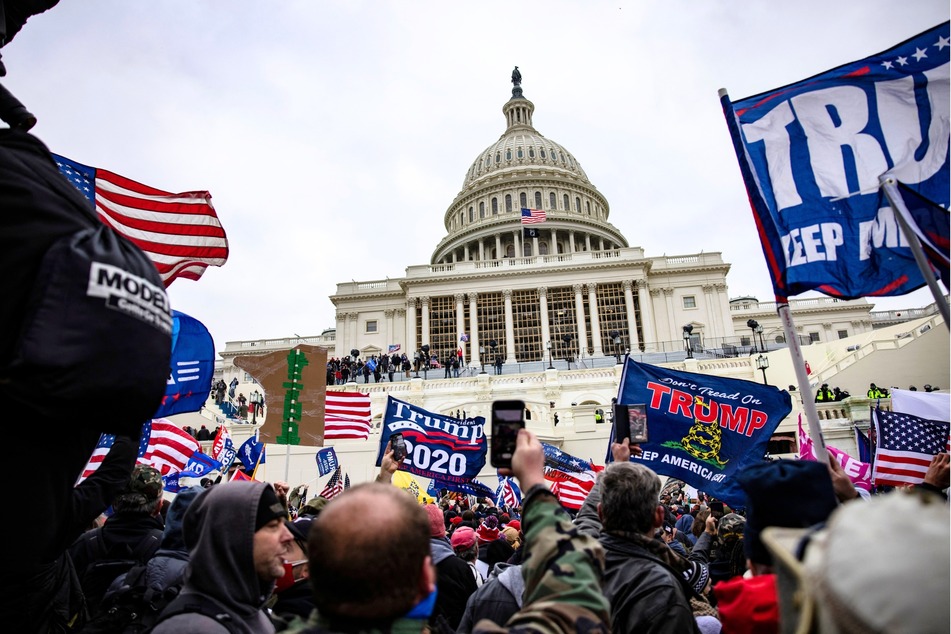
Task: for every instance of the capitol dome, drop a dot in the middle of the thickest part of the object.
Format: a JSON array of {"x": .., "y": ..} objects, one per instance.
[{"x": 524, "y": 169}]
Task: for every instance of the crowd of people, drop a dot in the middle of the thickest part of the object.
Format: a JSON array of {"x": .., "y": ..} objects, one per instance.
[
  {"x": 394, "y": 367},
  {"x": 248, "y": 556},
  {"x": 825, "y": 395}
]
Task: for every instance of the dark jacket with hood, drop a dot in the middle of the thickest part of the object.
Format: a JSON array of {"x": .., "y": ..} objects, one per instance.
[
  {"x": 497, "y": 599},
  {"x": 454, "y": 583},
  {"x": 219, "y": 529}
]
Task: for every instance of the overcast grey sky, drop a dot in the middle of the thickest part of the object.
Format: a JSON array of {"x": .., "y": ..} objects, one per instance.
[{"x": 333, "y": 135}]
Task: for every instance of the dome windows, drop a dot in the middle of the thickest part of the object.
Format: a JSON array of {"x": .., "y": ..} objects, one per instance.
[
  {"x": 542, "y": 152},
  {"x": 495, "y": 206},
  {"x": 538, "y": 200},
  {"x": 567, "y": 204},
  {"x": 508, "y": 155},
  {"x": 481, "y": 210},
  {"x": 523, "y": 200},
  {"x": 508, "y": 203},
  {"x": 471, "y": 214},
  {"x": 531, "y": 152},
  {"x": 577, "y": 204},
  {"x": 519, "y": 153},
  {"x": 498, "y": 157},
  {"x": 551, "y": 200}
]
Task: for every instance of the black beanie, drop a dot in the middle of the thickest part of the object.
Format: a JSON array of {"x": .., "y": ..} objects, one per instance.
[
  {"x": 269, "y": 508},
  {"x": 787, "y": 493}
]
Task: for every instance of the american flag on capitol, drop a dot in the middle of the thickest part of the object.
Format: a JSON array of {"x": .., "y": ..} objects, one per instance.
[
  {"x": 532, "y": 216},
  {"x": 180, "y": 233},
  {"x": 346, "y": 416},
  {"x": 904, "y": 447}
]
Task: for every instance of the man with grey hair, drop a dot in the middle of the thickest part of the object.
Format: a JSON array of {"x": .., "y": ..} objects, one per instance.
[{"x": 643, "y": 578}]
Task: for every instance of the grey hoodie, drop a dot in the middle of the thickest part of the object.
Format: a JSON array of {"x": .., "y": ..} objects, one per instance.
[
  {"x": 219, "y": 533},
  {"x": 497, "y": 599}
]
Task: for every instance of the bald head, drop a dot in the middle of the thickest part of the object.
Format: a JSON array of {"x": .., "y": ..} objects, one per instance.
[{"x": 367, "y": 552}]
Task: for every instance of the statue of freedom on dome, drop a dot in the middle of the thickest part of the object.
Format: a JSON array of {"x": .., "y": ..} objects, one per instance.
[{"x": 516, "y": 77}]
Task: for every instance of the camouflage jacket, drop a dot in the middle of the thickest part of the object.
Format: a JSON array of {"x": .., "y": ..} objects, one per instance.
[{"x": 563, "y": 571}]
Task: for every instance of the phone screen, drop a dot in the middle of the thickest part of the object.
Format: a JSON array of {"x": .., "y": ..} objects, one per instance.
[
  {"x": 398, "y": 445},
  {"x": 637, "y": 422},
  {"x": 507, "y": 418}
]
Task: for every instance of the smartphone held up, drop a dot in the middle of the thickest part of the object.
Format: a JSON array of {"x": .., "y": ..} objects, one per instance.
[
  {"x": 630, "y": 421},
  {"x": 398, "y": 445},
  {"x": 507, "y": 418}
]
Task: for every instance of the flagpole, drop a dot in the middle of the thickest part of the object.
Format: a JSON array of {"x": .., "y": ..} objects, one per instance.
[
  {"x": 888, "y": 185},
  {"x": 805, "y": 390}
]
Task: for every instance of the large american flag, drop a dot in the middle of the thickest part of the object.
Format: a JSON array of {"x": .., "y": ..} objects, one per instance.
[
  {"x": 346, "y": 416},
  {"x": 904, "y": 447},
  {"x": 572, "y": 493},
  {"x": 162, "y": 445},
  {"x": 532, "y": 216},
  {"x": 166, "y": 446},
  {"x": 180, "y": 233}
]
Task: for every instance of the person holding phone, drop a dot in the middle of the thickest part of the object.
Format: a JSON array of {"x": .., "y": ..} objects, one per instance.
[{"x": 384, "y": 579}]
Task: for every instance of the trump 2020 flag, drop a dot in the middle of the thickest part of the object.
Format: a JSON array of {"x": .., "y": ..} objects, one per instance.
[
  {"x": 703, "y": 429},
  {"x": 812, "y": 155},
  {"x": 200, "y": 464},
  {"x": 193, "y": 365},
  {"x": 180, "y": 233},
  {"x": 440, "y": 447},
  {"x": 327, "y": 461}
]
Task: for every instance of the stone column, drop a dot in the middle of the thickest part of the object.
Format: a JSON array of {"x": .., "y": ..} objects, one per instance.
[
  {"x": 424, "y": 301},
  {"x": 579, "y": 318},
  {"x": 517, "y": 240},
  {"x": 341, "y": 343},
  {"x": 671, "y": 323},
  {"x": 482, "y": 249},
  {"x": 461, "y": 323},
  {"x": 388, "y": 331},
  {"x": 658, "y": 332},
  {"x": 571, "y": 241},
  {"x": 465, "y": 252},
  {"x": 411, "y": 345},
  {"x": 534, "y": 247},
  {"x": 595, "y": 321},
  {"x": 498, "y": 247},
  {"x": 354, "y": 335},
  {"x": 400, "y": 317},
  {"x": 509, "y": 327},
  {"x": 543, "y": 307},
  {"x": 633, "y": 342},
  {"x": 474, "y": 328},
  {"x": 587, "y": 242},
  {"x": 647, "y": 312},
  {"x": 553, "y": 245}
]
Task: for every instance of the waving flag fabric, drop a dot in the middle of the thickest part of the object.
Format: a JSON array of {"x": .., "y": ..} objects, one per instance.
[
  {"x": 508, "y": 493},
  {"x": 703, "y": 429},
  {"x": 930, "y": 223},
  {"x": 166, "y": 446},
  {"x": 98, "y": 455},
  {"x": 904, "y": 447},
  {"x": 533, "y": 216},
  {"x": 222, "y": 449},
  {"x": 572, "y": 493},
  {"x": 193, "y": 365},
  {"x": 334, "y": 486},
  {"x": 859, "y": 472},
  {"x": 440, "y": 447},
  {"x": 326, "y": 461},
  {"x": 473, "y": 487},
  {"x": 251, "y": 454},
  {"x": 346, "y": 416},
  {"x": 180, "y": 233},
  {"x": 812, "y": 155}
]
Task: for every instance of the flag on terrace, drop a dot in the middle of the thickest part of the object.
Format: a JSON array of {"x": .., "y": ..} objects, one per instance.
[
  {"x": 532, "y": 216},
  {"x": 346, "y": 415},
  {"x": 166, "y": 446},
  {"x": 180, "y": 233},
  {"x": 904, "y": 447},
  {"x": 335, "y": 486},
  {"x": 812, "y": 155}
]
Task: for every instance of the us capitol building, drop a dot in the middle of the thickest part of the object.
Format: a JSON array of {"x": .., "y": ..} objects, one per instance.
[{"x": 560, "y": 305}]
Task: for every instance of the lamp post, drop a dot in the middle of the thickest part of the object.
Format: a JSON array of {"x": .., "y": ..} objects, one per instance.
[
  {"x": 762, "y": 362},
  {"x": 616, "y": 338},
  {"x": 548, "y": 347},
  {"x": 566, "y": 338},
  {"x": 425, "y": 360},
  {"x": 482, "y": 358},
  {"x": 759, "y": 331},
  {"x": 753, "y": 325},
  {"x": 493, "y": 344},
  {"x": 687, "y": 330}
]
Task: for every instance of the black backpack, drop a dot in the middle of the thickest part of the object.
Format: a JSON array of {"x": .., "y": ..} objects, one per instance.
[
  {"x": 133, "y": 608},
  {"x": 106, "y": 565},
  {"x": 196, "y": 603},
  {"x": 85, "y": 319}
]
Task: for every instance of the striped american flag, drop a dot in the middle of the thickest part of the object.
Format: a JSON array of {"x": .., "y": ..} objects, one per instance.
[
  {"x": 346, "y": 416},
  {"x": 532, "y": 216},
  {"x": 335, "y": 486},
  {"x": 98, "y": 455},
  {"x": 572, "y": 493},
  {"x": 180, "y": 233},
  {"x": 905, "y": 446},
  {"x": 163, "y": 445}
]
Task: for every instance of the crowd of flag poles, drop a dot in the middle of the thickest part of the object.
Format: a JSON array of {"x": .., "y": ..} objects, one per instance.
[{"x": 848, "y": 178}]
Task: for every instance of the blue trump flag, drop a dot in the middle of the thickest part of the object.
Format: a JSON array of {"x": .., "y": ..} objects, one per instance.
[
  {"x": 703, "y": 429},
  {"x": 473, "y": 487},
  {"x": 327, "y": 461},
  {"x": 812, "y": 155},
  {"x": 200, "y": 464},
  {"x": 250, "y": 453},
  {"x": 440, "y": 447},
  {"x": 192, "y": 367}
]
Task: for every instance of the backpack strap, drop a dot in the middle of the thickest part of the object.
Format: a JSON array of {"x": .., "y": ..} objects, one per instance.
[
  {"x": 200, "y": 604},
  {"x": 144, "y": 550}
]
